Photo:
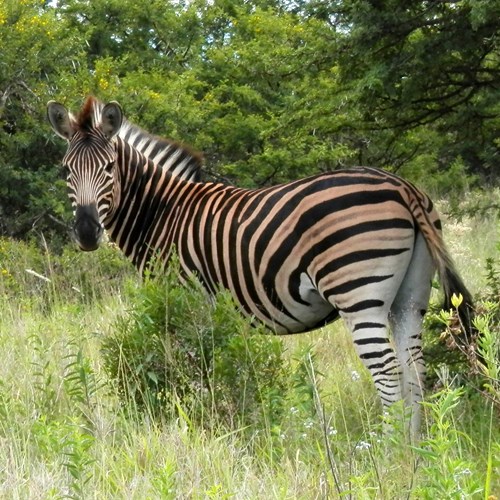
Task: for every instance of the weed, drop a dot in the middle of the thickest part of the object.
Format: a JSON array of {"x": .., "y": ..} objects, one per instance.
[{"x": 447, "y": 472}]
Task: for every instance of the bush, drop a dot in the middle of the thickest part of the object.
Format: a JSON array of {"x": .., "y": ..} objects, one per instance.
[
  {"x": 177, "y": 352},
  {"x": 472, "y": 361}
]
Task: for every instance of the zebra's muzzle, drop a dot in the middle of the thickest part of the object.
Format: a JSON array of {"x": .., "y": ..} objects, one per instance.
[{"x": 88, "y": 229}]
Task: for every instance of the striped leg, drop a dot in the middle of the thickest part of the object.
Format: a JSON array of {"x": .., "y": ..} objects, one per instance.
[
  {"x": 366, "y": 313},
  {"x": 374, "y": 347},
  {"x": 406, "y": 317}
]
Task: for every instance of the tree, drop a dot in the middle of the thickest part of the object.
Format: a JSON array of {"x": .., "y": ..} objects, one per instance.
[
  {"x": 268, "y": 90},
  {"x": 32, "y": 50},
  {"x": 430, "y": 65}
]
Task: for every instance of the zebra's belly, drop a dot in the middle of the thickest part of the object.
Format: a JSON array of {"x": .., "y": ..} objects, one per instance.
[
  {"x": 301, "y": 308},
  {"x": 308, "y": 318}
]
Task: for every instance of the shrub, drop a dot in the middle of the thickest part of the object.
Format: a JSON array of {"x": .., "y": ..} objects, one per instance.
[
  {"x": 30, "y": 273},
  {"x": 177, "y": 352},
  {"x": 475, "y": 361}
]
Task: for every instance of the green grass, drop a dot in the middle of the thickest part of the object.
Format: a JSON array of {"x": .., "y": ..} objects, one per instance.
[{"x": 64, "y": 432}]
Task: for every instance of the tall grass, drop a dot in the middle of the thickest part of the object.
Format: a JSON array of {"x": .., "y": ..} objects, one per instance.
[{"x": 65, "y": 431}]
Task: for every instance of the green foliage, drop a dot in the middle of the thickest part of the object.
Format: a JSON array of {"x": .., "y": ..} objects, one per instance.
[
  {"x": 418, "y": 66},
  {"x": 488, "y": 324},
  {"x": 72, "y": 444},
  {"x": 65, "y": 397},
  {"x": 39, "y": 278},
  {"x": 474, "y": 361},
  {"x": 178, "y": 352},
  {"x": 269, "y": 91},
  {"x": 447, "y": 473},
  {"x": 34, "y": 44}
]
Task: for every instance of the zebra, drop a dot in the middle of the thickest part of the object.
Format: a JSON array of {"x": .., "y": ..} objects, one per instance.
[{"x": 361, "y": 244}]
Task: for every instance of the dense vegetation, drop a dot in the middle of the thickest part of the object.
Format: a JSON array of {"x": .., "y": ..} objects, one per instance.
[
  {"x": 269, "y": 90},
  {"x": 116, "y": 388}
]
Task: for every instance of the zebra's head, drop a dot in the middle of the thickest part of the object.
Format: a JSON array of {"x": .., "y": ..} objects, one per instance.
[{"x": 89, "y": 163}]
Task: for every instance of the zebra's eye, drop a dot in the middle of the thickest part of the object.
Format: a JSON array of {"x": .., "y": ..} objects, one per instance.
[{"x": 109, "y": 167}]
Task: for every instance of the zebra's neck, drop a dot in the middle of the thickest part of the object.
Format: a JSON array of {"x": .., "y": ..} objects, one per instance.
[
  {"x": 170, "y": 155},
  {"x": 140, "y": 196}
]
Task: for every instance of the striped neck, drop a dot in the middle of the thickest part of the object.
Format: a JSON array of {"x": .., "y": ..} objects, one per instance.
[
  {"x": 170, "y": 155},
  {"x": 139, "y": 195}
]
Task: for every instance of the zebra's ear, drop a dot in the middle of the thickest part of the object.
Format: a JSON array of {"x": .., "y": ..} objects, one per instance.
[
  {"x": 60, "y": 120},
  {"x": 111, "y": 121}
]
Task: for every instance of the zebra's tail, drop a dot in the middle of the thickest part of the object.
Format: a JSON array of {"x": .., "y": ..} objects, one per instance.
[
  {"x": 452, "y": 284},
  {"x": 427, "y": 221},
  {"x": 467, "y": 335}
]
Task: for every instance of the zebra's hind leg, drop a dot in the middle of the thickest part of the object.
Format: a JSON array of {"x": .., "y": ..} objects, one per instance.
[
  {"x": 374, "y": 346},
  {"x": 406, "y": 317}
]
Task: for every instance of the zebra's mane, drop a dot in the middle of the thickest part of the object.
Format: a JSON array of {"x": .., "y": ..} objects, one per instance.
[
  {"x": 179, "y": 159},
  {"x": 90, "y": 114}
]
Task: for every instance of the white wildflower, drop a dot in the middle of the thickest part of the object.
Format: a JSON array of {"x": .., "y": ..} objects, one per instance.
[{"x": 363, "y": 445}]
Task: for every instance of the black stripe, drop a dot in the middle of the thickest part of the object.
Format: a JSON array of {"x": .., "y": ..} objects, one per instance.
[
  {"x": 147, "y": 142},
  {"x": 362, "y": 305},
  {"x": 376, "y": 354},
  {"x": 367, "y": 325},
  {"x": 374, "y": 340},
  {"x": 388, "y": 370},
  {"x": 351, "y": 285}
]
